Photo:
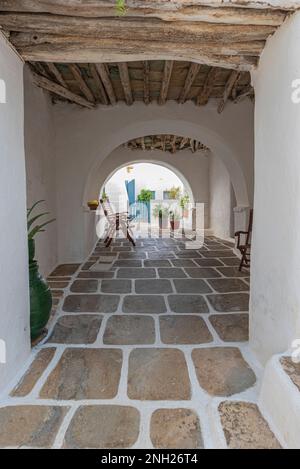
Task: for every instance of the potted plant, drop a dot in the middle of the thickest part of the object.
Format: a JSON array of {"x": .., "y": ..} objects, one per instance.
[
  {"x": 40, "y": 294},
  {"x": 174, "y": 192},
  {"x": 144, "y": 197},
  {"x": 174, "y": 220},
  {"x": 183, "y": 202},
  {"x": 162, "y": 213},
  {"x": 93, "y": 204}
]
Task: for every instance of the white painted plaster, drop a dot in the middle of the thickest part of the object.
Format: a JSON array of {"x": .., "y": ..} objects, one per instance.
[
  {"x": 40, "y": 167},
  {"x": 84, "y": 138},
  {"x": 14, "y": 298},
  {"x": 220, "y": 198},
  {"x": 279, "y": 401},
  {"x": 275, "y": 271}
]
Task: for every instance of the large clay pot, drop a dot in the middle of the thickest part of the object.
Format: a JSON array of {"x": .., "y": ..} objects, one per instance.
[{"x": 40, "y": 296}]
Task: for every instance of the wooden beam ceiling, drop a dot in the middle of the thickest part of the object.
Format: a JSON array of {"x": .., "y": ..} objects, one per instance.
[
  {"x": 183, "y": 50},
  {"x": 77, "y": 31},
  {"x": 166, "y": 142}
]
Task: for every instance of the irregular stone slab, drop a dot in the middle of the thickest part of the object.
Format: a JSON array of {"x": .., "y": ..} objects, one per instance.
[
  {"x": 158, "y": 374},
  {"x": 171, "y": 272},
  {"x": 226, "y": 285},
  {"x": 161, "y": 255},
  {"x": 184, "y": 330},
  {"x": 107, "y": 426},
  {"x": 183, "y": 263},
  {"x": 121, "y": 249},
  {"x": 292, "y": 369},
  {"x": 65, "y": 269},
  {"x": 132, "y": 255},
  {"x": 84, "y": 373},
  {"x": 116, "y": 286},
  {"x": 188, "y": 304},
  {"x": 218, "y": 253},
  {"x": 233, "y": 272},
  {"x": 129, "y": 330},
  {"x": 127, "y": 272},
  {"x": 189, "y": 285},
  {"x": 57, "y": 293},
  {"x": 231, "y": 327},
  {"x": 229, "y": 302},
  {"x": 231, "y": 260},
  {"x": 35, "y": 371},
  {"x": 58, "y": 279},
  {"x": 153, "y": 286},
  {"x": 175, "y": 428},
  {"x": 87, "y": 265},
  {"x": 188, "y": 254},
  {"x": 91, "y": 303},
  {"x": 144, "y": 304},
  {"x": 93, "y": 274},
  {"x": 33, "y": 426},
  {"x": 202, "y": 272},
  {"x": 79, "y": 329},
  {"x": 222, "y": 371},
  {"x": 84, "y": 286},
  {"x": 57, "y": 284},
  {"x": 157, "y": 263},
  {"x": 208, "y": 262},
  {"x": 245, "y": 428},
  {"x": 128, "y": 263}
]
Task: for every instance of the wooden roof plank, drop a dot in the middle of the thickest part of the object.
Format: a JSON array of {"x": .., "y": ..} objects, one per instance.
[{"x": 165, "y": 81}]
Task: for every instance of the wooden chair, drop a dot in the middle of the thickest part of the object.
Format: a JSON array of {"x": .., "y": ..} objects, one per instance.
[
  {"x": 245, "y": 248},
  {"x": 116, "y": 221}
]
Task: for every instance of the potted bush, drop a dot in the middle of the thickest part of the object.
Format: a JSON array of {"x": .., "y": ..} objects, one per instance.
[
  {"x": 162, "y": 213},
  {"x": 144, "y": 197},
  {"x": 183, "y": 202},
  {"x": 174, "y": 220},
  {"x": 174, "y": 192},
  {"x": 93, "y": 204},
  {"x": 40, "y": 294}
]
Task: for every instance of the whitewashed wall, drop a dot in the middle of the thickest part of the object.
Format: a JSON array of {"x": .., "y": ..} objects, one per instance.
[
  {"x": 40, "y": 167},
  {"x": 220, "y": 203},
  {"x": 84, "y": 138},
  {"x": 275, "y": 285},
  {"x": 14, "y": 297}
]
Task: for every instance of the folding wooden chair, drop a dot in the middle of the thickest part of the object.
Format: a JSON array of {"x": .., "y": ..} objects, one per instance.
[
  {"x": 245, "y": 248},
  {"x": 116, "y": 222}
]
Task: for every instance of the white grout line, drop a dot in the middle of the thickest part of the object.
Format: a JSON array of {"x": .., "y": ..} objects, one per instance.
[{"x": 201, "y": 403}]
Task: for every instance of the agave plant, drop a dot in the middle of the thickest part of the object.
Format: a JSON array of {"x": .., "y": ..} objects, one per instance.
[{"x": 33, "y": 230}]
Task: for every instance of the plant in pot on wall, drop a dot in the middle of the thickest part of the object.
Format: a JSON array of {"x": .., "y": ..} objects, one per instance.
[
  {"x": 162, "y": 213},
  {"x": 183, "y": 202},
  {"x": 40, "y": 294},
  {"x": 174, "y": 220}
]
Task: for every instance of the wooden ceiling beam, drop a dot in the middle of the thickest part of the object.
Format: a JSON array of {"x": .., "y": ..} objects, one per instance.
[
  {"x": 146, "y": 75},
  {"x": 125, "y": 80},
  {"x": 190, "y": 78},
  {"x": 60, "y": 49},
  {"x": 165, "y": 81},
  {"x": 98, "y": 85},
  {"x": 126, "y": 28},
  {"x": 76, "y": 72},
  {"x": 228, "y": 89},
  {"x": 169, "y": 11},
  {"x": 59, "y": 90},
  {"x": 103, "y": 71},
  {"x": 205, "y": 92},
  {"x": 56, "y": 73}
]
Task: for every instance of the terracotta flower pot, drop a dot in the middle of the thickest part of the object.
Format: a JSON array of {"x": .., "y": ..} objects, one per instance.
[{"x": 93, "y": 204}]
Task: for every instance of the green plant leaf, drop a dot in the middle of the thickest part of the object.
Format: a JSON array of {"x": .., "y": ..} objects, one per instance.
[
  {"x": 33, "y": 219},
  {"x": 121, "y": 7},
  {"x": 29, "y": 210},
  {"x": 38, "y": 228}
]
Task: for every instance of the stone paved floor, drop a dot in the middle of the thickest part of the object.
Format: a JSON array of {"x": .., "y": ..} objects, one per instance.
[{"x": 149, "y": 351}]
